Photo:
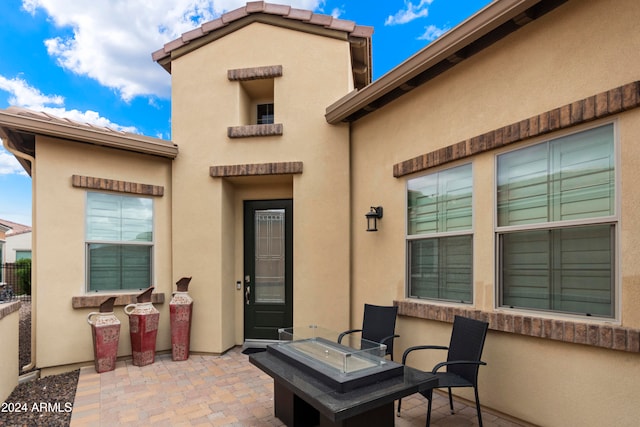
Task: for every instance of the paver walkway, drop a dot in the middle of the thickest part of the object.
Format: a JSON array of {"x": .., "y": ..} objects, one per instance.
[{"x": 213, "y": 391}]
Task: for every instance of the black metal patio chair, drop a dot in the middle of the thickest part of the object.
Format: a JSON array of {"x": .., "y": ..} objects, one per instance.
[
  {"x": 463, "y": 361},
  {"x": 378, "y": 325}
]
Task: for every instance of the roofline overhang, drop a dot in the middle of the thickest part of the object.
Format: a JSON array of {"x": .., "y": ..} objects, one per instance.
[
  {"x": 358, "y": 36},
  {"x": 494, "y": 22},
  {"x": 17, "y": 123}
]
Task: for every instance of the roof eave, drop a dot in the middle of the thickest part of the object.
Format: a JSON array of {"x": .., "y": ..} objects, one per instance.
[
  {"x": 10, "y": 123},
  {"x": 358, "y": 36},
  {"x": 446, "y": 48}
]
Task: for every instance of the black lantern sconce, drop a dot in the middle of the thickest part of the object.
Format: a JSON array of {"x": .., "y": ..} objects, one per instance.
[{"x": 374, "y": 214}]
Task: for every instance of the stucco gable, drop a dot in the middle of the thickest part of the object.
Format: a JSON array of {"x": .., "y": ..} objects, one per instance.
[
  {"x": 20, "y": 126},
  {"x": 285, "y": 16}
]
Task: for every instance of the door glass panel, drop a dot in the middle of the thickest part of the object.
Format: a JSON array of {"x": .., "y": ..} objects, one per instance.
[{"x": 270, "y": 256}]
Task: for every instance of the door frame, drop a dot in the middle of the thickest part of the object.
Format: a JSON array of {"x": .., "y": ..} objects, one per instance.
[{"x": 250, "y": 338}]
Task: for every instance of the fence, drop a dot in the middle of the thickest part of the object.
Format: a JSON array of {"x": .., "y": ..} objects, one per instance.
[{"x": 15, "y": 281}]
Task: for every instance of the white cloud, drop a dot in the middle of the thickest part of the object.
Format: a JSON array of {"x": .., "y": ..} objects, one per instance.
[
  {"x": 409, "y": 13},
  {"x": 21, "y": 94},
  {"x": 9, "y": 165},
  {"x": 336, "y": 12},
  {"x": 112, "y": 41},
  {"x": 431, "y": 32}
]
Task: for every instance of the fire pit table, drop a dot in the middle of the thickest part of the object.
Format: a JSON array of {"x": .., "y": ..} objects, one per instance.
[{"x": 320, "y": 382}]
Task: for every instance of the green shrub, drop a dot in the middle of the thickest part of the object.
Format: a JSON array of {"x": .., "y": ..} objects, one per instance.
[{"x": 23, "y": 270}]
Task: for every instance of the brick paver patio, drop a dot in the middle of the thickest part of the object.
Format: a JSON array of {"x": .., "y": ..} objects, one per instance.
[{"x": 214, "y": 391}]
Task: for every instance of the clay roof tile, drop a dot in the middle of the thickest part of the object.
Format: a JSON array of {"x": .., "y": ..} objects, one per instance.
[
  {"x": 207, "y": 27},
  {"x": 300, "y": 14},
  {"x": 277, "y": 9},
  {"x": 174, "y": 44},
  {"x": 234, "y": 15},
  {"x": 192, "y": 35},
  {"x": 255, "y": 6},
  {"x": 362, "y": 31},
  {"x": 158, "y": 54},
  {"x": 320, "y": 19},
  {"x": 342, "y": 25}
]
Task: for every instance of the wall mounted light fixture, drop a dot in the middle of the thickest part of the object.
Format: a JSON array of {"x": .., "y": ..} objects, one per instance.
[{"x": 374, "y": 214}]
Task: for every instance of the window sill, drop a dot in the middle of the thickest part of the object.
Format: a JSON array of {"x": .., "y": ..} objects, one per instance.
[
  {"x": 575, "y": 332},
  {"x": 248, "y": 131},
  {"x": 94, "y": 301}
]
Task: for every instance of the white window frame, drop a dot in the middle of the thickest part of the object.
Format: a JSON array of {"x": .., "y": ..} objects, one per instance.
[
  {"x": 87, "y": 242},
  {"x": 439, "y": 235},
  {"x": 611, "y": 219}
]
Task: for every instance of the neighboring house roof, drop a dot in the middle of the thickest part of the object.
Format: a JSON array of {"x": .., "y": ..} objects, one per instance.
[
  {"x": 285, "y": 16},
  {"x": 14, "y": 228},
  {"x": 20, "y": 127},
  {"x": 497, "y": 20}
]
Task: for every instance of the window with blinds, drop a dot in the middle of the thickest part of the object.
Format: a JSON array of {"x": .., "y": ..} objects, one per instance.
[
  {"x": 557, "y": 224},
  {"x": 119, "y": 242},
  {"x": 439, "y": 235}
]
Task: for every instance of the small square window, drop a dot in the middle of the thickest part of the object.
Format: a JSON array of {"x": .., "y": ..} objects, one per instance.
[{"x": 265, "y": 114}]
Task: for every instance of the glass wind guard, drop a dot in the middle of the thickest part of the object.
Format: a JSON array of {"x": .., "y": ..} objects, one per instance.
[{"x": 320, "y": 346}]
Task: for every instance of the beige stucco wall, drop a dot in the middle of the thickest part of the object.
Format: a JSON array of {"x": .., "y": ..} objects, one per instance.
[
  {"x": 577, "y": 51},
  {"x": 207, "y": 212},
  {"x": 9, "y": 333},
  {"x": 62, "y": 333}
]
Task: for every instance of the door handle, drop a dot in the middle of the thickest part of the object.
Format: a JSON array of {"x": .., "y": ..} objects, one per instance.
[{"x": 247, "y": 294}]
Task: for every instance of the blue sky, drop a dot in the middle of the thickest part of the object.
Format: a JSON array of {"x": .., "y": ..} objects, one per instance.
[{"x": 90, "y": 60}]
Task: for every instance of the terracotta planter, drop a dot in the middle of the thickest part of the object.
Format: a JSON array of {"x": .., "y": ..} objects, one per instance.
[
  {"x": 105, "y": 329},
  {"x": 181, "y": 308},
  {"x": 143, "y": 328}
]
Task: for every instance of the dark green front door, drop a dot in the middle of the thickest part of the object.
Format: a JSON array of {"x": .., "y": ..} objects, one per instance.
[{"x": 268, "y": 268}]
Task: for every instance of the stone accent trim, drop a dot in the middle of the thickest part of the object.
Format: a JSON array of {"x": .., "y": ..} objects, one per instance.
[
  {"x": 246, "y": 131},
  {"x": 92, "y": 183},
  {"x": 255, "y": 73},
  {"x": 598, "y": 106},
  {"x": 597, "y": 335},
  {"x": 8, "y": 308},
  {"x": 94, "y": 301},
  {"x": 256, "y": 169}
]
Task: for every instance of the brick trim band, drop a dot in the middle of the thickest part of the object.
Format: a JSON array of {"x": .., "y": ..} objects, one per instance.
[
  {"x": 94, "y": 301},
  {"x": 604, "y": 336},
  {"x": 255, "y": 73},
  {"x": 598, "y": 106},
  {"x": 256, "y": 169},
  {"x": 246, "y": 131},
  {"x": 92, "y": 183}
]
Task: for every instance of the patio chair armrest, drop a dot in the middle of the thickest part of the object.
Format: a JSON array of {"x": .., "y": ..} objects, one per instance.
[
  {"x": 389, "y": 338},
  {"x": 457, "y": 362},
  {"x": 421, "y": 347},
  {"x": 350, "y": 331}
]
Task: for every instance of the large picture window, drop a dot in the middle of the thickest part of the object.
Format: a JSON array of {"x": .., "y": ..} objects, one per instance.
[
  {"x": 439, "y": 235},
  {"x": 557, "y": 224},
  {"x": 119, "y": 242}
]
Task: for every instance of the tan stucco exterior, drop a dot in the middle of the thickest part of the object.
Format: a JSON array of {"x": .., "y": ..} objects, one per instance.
[
  {"x": 9, "y": 321},
  {"x": 60, "y": 274},
  {"x": 204, "y": 105},
  {"x": 578, "y": 50}
]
